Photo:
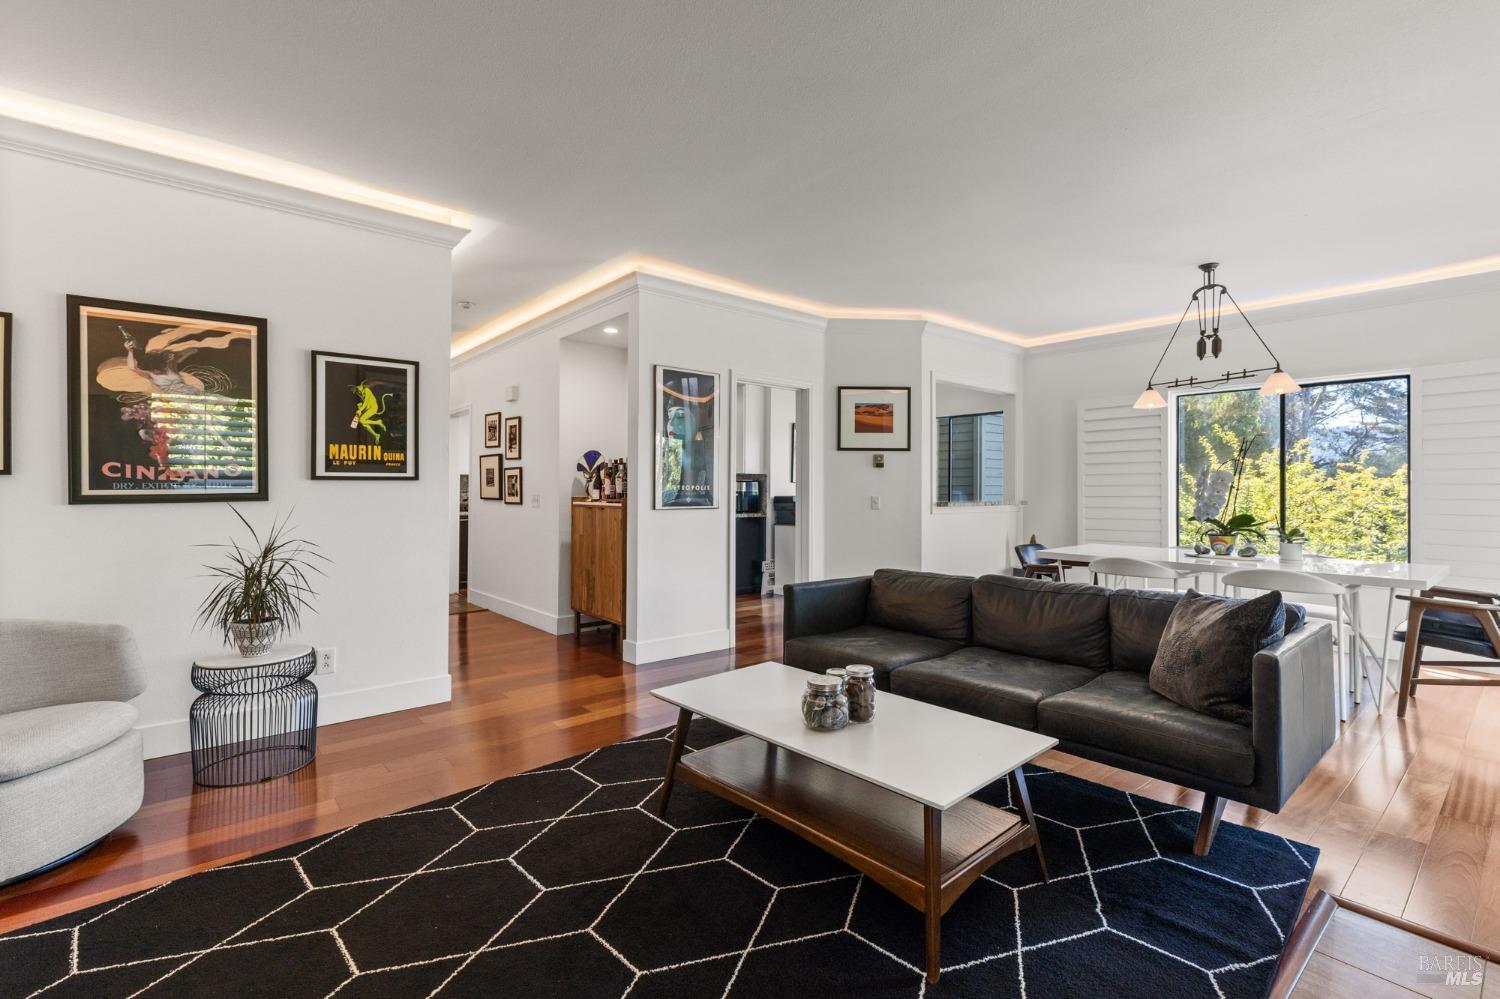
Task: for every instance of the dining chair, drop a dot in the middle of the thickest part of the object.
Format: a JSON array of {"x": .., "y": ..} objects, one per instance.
[
  {"x": 1344, "y": 615},
  {"x": 1444, "y": 617},
  {"x": 1033, "y": 565},
  {"x": 1136, "y": 568}
]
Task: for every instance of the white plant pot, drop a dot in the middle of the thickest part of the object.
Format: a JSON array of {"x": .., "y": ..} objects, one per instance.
[{"x": 1291, "y": 551}]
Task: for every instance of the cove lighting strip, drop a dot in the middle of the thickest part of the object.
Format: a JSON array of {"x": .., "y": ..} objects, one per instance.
[
  {"x": 615, "y": 270},
  {"x": 218, "y": 155},
  {"x": 608, "y": 273},
  {"x": 1464, "y": 268}
]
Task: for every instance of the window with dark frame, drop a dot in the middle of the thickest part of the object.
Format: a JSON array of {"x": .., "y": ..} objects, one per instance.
[
  {"x": 970, "y": 459},
  {"x": 1332, "y": 460}
]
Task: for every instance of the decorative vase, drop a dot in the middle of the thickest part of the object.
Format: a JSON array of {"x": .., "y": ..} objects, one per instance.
[
  {"x": 1291, "y": 551},
  {"x": 1221, "y": 544},
  {"x": 254, "y": 638}
]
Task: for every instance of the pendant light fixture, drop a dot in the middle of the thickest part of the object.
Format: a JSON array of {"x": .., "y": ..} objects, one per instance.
[{"x": 1209, "y": 303}]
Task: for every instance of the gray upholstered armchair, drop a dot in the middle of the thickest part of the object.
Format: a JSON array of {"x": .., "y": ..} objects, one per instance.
[{"x": 70, "y": 757}]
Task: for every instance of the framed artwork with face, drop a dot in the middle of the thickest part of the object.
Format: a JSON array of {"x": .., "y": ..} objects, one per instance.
[
  {"x": 165, "y": 404},
  {"x": 364, "y": 417}
]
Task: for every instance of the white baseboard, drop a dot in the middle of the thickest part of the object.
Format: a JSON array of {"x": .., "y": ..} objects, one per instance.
[
  {"x": 552, "y": 624},
  {"x": 171, "y": 737},
  {"x": 674, "y": 646}
]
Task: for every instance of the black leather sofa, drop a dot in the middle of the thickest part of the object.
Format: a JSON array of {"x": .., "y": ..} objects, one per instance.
[{"x": 1071, "y": 661}]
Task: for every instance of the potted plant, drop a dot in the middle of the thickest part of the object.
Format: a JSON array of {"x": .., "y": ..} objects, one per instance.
[
  {"x": 261, "y": 589},
  {"x": 1224, "y": 531},
  {"x": 1292, "y": 540}
]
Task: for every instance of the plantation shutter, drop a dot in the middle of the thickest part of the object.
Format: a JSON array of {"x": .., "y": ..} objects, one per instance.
[
  {"x": 1455, "y": 471},
  {"x": 1122, "y": 465}
]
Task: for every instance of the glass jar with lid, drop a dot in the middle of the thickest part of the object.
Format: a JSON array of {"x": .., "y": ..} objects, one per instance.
[
  {"x": 825, "y": 706},
  {"x": 859, "y": 688}
]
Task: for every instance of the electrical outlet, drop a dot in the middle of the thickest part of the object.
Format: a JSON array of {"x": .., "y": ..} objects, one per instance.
[{"x": 328, "y": 661}]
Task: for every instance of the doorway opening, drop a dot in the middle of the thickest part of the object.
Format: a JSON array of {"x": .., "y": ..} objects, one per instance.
[
  {"x": 458, "y": 512},
  {"x": 769, "y": 520}
]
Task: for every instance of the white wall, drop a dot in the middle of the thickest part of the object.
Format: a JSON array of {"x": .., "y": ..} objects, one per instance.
[
  {"x": 859, "y": 539},
  {"x": 680, "y": 590},
  {"x": 970, "y": 541},
  {"x": 458, "y": 464},
  {"x": 592, "y": 416},
  {"x": 516, "y": 553},
  {"x": 781, "y": 413},
  {"x": 333, "y": 278}
]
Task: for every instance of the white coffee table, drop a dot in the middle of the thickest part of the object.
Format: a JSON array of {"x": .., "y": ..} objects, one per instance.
[{"x": 876, "y": 795}]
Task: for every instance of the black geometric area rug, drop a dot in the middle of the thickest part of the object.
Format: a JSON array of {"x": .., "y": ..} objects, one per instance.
[{"x": 561, "y": 883}]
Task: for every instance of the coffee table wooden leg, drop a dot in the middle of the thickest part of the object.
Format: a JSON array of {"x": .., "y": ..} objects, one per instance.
[
  {"x": 679, "y": 739},
  {"x": 1021, "y": 798},
  {"x": 933, "y": 902}
]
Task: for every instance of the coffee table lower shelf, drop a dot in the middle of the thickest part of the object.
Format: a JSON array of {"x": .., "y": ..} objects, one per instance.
[{"x": 925, "y": 856}]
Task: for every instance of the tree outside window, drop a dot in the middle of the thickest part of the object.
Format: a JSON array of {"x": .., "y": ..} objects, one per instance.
[{"x": 1332, "y": 459}]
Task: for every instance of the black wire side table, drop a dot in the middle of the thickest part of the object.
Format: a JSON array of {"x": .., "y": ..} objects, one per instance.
[{"x": 256, "y": 719}]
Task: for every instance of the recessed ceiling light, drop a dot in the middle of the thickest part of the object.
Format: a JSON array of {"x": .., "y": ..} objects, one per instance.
[{"x": 611, "y": 330}]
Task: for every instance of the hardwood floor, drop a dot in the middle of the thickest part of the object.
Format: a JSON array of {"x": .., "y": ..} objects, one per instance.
[{"x": 1407, "y": 813}]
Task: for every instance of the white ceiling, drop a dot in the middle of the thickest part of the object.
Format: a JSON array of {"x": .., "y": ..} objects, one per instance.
[{"x": 1035, "y": 167}]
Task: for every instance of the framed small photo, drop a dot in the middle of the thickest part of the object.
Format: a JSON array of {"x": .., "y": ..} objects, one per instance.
[
  {"x": 513, "y": 439},
  {"x": 513, "y": 485},
  {"x": 489, "y": 476},
  {"x": 164, "y": 404},
  {"x": 5, "y": 321},
  {"x": 874, "y": 419},
  {"x": 491, "y": 431},
  {"x": 364, "y": 417}
]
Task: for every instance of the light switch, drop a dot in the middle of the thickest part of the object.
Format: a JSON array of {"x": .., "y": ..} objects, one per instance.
[
  {"x": 536, "y": 499},
  {"x": 874, "y": 502}
]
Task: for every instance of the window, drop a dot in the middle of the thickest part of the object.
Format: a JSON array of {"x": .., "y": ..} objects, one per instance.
[
  {"x": 971, "y": 458},
  {"x": 1331, "y": 459}
]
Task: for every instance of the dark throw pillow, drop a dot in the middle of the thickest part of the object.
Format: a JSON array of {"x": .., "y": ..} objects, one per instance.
[{"x": 1207, "y": 650}]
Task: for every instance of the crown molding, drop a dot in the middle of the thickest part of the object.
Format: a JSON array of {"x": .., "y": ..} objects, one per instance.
[
  {"x": 95, "y": 154},
  {"x": 1385, "y": 298},
  {"x": 603, "y": 299},
  {"x": 683, "y": 291}
]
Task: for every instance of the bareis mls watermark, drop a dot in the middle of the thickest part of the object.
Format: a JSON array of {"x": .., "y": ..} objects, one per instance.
[{"x": 1457, "y": 970}]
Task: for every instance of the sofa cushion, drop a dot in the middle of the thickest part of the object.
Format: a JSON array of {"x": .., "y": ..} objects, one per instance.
[
  {"x": 1137, "y": 619},
  {"x": 1119, "y": 712},
  {"x": 1204, "y": 660},
  {"x": 881, "y": 648},
  {"x": 41, "y": 738},
  {"x": 925, "y": 603},
  {"x": 1060, "y": 622},
  {"x": 1000, "y": 686}
]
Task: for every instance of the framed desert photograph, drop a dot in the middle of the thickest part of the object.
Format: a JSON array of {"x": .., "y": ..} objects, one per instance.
[
  {"x": 164, "y": 404},
  {"x": 874, "y": 419},
  {"x": 513, "y": 439},
  {"x": 5, "y": 459},
  {"x": 687, "y": 438},
  {"x": 513, "y": 485},
  {"x": 489, "y": 476},
  {"x": 492, "y": 438}
]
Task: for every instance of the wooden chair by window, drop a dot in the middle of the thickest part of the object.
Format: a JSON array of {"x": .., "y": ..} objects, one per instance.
[
  {"x": 1034, "y": 564},
  {"x": 1464, "y": 621}
]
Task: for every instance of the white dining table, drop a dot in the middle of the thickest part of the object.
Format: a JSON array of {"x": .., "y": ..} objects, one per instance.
[{"x": 1392, "y": 577}]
